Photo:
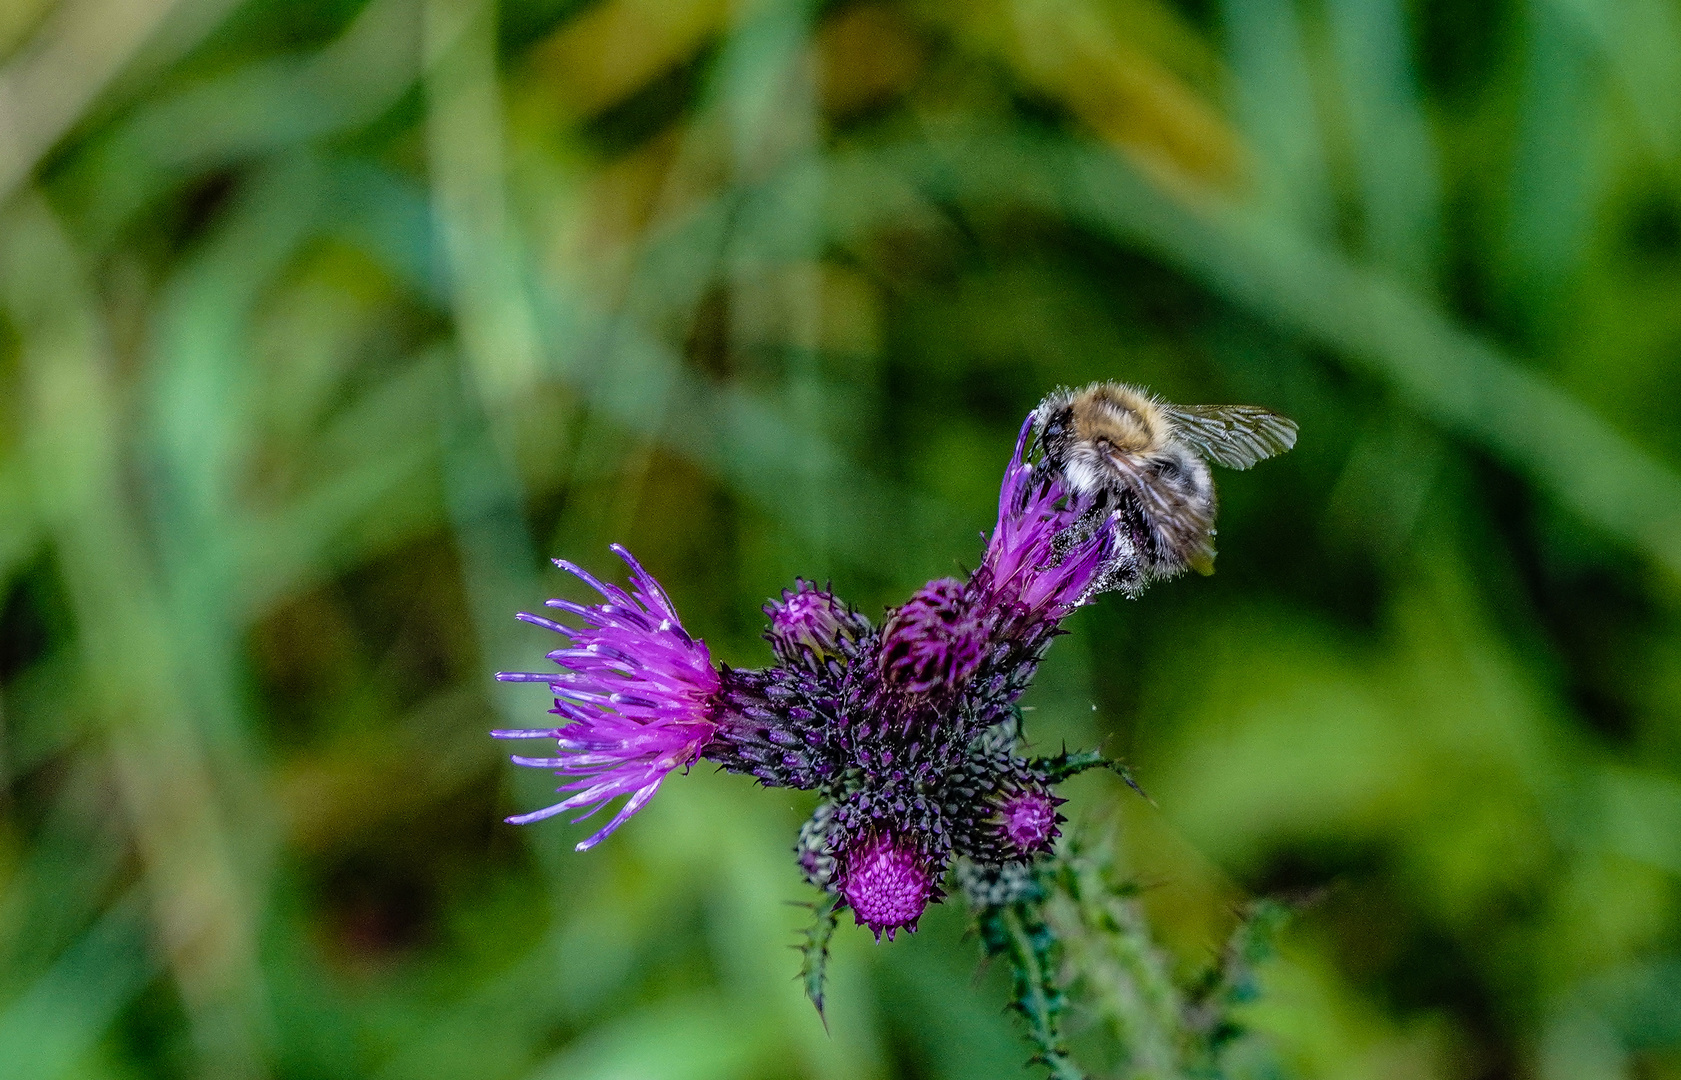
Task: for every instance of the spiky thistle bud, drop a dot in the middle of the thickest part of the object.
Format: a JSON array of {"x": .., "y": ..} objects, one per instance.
[
  {"x": 1027, "y": 821},
  {"x": 815, "y": 850},
  {"x": 936, "y": 641},
  {"x": 811, "y": 627},
  {"x": 888, "y": 882}
]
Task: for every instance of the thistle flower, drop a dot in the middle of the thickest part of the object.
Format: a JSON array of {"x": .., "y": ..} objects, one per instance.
[
  {"x": 1050, "y": 551},
  {"x": 636, "y": 691},
  {"x": 911, "y": 734},
  {"x": 936, "y": 641},
  {"x": 888, "y": 883},
  {"x": 810, "y": 626}
]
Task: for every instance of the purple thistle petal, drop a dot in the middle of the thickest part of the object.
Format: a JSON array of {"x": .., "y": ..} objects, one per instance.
[
  {"x": 636, "y": 691},
  {"x": 538, "y": 620},
  {"x": 536, "y": 815},
  {"x": 1023, "y": 571},
  {"x": 631, "y": 806}
]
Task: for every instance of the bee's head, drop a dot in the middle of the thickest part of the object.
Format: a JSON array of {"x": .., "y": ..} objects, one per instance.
[{"x": 1053, "y": 429}]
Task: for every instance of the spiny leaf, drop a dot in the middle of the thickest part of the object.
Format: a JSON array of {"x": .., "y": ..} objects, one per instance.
[
  {"x": 1114, "y": 966},
  {"x": 1232, "y": 980},
  {"x": 814, "y": 952},
  {"x": 1072, "y": 763}
]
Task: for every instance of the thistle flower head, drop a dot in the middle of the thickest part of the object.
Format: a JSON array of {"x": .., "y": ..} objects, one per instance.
[
  {"x": 1027, "y": 819},
  {"x": 936, "y": 640},
  {"x": 911, "y": 735},
  {"x": 636, "y": 693},
  {"x": 1049, "y": 553},
  {"x": 887, "y": 882},
  {"x": 811, "y": 625}
]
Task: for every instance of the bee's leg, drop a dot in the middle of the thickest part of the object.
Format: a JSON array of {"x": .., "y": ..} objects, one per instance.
[{"x": 1084, "y": 527}]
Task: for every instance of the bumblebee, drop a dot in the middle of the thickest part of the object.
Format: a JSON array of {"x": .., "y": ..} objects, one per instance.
[{"x": 1145, "y": 462}]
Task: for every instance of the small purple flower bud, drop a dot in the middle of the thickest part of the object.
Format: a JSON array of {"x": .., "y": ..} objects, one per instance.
[
  {"x": 809, "y": 622},
  {"x": 935, "y": 641},
  {"x": 888, "y": 884},
  {"x": 1028, "y": 820}
]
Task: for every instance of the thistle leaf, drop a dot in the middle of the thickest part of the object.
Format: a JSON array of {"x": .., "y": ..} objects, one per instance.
[
  {"x": 1074, "y": 762},
  {"x": 814, "y": 952},
  {"x": 1232, "y": 980}
]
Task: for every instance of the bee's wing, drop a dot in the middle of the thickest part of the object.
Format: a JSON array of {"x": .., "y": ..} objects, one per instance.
[
  {"x": 1183, "y": 527},
  {"x": 1236, "y": 436}
]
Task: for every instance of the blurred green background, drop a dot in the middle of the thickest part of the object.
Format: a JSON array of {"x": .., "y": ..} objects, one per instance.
[{"x": 323, "y": 323}]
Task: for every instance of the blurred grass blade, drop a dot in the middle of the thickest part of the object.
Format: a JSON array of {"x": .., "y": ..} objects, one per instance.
[
  {"x": 493, "y": 316},
  {"x": 45, "y": 88},
  {"x": 19, "y": 532},
  {"x": 499, "y": 559},
  {"x": 44, "y": 1033},
  {"x": 255, "y": 109},
  {"x": 1276, "y": 111},
  {"x": 1098, "y": 61},
  {"x": 125, "y": 649},
  {"x": 1641, "y": 817},
  {"x": 68, "y": 875},
  {"x": 1395, "y": 157},
  {"x": 616, "y": 48},
  {"x": 1552, "y": 186},
  {"x": 1640, "y": 41},
  {"x": 699, "y": 1037}
]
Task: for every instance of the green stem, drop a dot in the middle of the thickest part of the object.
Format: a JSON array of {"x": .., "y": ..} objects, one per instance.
[{"x": 1036, "y": 998}]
